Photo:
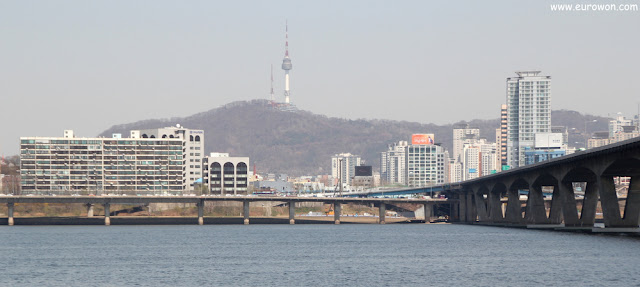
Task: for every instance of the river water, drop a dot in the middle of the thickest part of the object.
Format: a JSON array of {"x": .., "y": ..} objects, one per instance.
[{"x": 312, "y": 255}]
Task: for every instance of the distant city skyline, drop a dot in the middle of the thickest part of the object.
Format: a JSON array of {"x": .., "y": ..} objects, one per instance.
[{"x": 89, "y": 65}]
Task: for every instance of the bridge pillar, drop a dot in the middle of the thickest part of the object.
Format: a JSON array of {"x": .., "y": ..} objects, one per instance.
[
  {"x": 200, "y": 205},
  {"x": 10, "y": 213},
  {"x": 609, "y": 202},
  {"x": 453, "y": 212},
  {"x": 569, "y": 206},
  {"x": 107, "y": 213},
  {"x": 337, "y": 210},
  {"x": 495, "y": 209},
  {"x": 632, "y": 206},
  {"x": 383, "y": 213},
  {"x": 589, "y": 204},
  {"x": 90, "y": 209},
  {"x": 555, "y": 210},
  {"x": 535, "y": 212},
  {"x": 463, "y": 207},
  {"x": 472, "y": 214},
  {"x": 428, "y": 212},
  {"x": 514, "y": 207},
  {"x": 292, "y": 212},
  {"x": 481, "y": 206},
  {"x": 245, "y": 211}
]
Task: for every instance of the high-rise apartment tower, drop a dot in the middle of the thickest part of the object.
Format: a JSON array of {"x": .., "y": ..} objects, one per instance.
[{"x": 528, "y": 113}]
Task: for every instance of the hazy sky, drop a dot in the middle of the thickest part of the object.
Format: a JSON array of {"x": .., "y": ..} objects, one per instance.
[{"x": 87, "y": 65}]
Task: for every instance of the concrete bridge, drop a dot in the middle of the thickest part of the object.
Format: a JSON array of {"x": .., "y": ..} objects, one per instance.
[
  {"x": 199, "y": 201},
  {"x": 495, "y": 199}
]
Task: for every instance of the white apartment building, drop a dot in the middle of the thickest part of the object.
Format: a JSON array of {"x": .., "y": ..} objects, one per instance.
[
  {"x": 480, "y": 159},
  {"x": 455, "y": 171},
  {"x": 224, "y": 174},
  {"x": 528, "y": 112},
  {"x": 617, "y": 125},
  {"x": 192, "y": 150},
  {"x": 393, "y": 163},
  {"x": 463, "y": 135},
  {"x": 471, "y": 162},
  {"x": 343, "y": 166},
  {"x": 70, "y": 165}
]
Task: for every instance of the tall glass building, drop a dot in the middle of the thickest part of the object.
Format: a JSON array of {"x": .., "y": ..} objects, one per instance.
[{"x": 528, "y": 113}]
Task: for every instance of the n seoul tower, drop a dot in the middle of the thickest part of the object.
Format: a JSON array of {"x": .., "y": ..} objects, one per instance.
[{"x": 286, "y": 64}]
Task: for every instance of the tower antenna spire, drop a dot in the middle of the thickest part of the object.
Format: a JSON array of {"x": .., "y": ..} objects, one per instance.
[
  {"x": 286, "y": 38},
  {"x": 272, "y": 95}
]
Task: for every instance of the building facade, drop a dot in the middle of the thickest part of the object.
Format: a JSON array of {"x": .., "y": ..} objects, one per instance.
[
  {"x": 343, "y": 167},
  {"x": 70, "y": 165},
  {"x": 528, "y": 112},
  {"x": 463, "y": 135},
  {"x": 393, "y": 163},
  {"x": 501, "y": 138},
  {"x": 192, "y": 150},
  {"x": 225, "y": 175},
  {"x": 425, "y": 165}
]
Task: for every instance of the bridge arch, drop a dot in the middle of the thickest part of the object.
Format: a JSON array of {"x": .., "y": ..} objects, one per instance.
[
  {"x": 619, "y": 178},
  {"x": 544, "y": 185},
  {"x": 580, "y": 188}
]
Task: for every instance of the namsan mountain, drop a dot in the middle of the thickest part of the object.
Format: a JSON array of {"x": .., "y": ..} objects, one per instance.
[{"x": 302, "y": 143}]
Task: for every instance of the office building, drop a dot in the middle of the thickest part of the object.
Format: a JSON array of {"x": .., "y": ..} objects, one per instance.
[
  {"x": 70, "y": 165},
  {"x": 528, "y": 112},
  {"x": 224, "y": 174},
  {"x": 363, "y": 177},
  {"x": 546, "y": 146},
  {"x": 425, "y": 162}
]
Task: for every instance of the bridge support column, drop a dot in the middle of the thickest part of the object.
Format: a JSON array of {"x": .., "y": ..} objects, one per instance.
[
  {"x": 200, "y": 212},
  {"x": 535, "y": 212},
  {"x": 292, "y": 212},
  {"x": 632, "y": 206},
  {"x": 337, "y": 210},
  {"x": 495, "y": 209},
  {"x": 589, "y": 204},
  {"x": 463, "y": 207},
  {"x": 107, "y": 213},
  {"x": 609, "y": 202},
  {"x": 569, "y": 207},
  {"x": 514, "y": 207},
  {"x": 555, "y": 210},
  {"x": 10, "y": 213},
  {"x": 481, "y": 206},
  {"x": 453, "y": 214},
  {"x": 471, "y": 212},
  {"x": 383, "y": 213},
  {"x": 90, "y": 209},
  {"x": 428, "y": 212},
  {"x": 245, "y": 211}
]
